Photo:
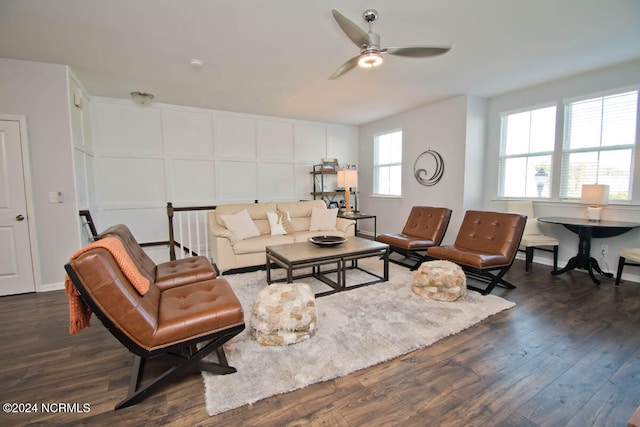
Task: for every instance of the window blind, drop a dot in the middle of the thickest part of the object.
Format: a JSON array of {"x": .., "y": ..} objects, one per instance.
[{"x": 599, "y": 144}]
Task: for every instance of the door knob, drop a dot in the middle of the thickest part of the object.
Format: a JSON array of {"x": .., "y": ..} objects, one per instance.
[{"x": 19, "y": 217}]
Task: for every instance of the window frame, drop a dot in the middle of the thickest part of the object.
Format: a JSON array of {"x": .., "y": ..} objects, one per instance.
[
  {"x": 557, "y": 173},
  {"x": 377, "y": 165},
  {"x": 565, "y": 151},
  {"x": 503, "y": 157}
]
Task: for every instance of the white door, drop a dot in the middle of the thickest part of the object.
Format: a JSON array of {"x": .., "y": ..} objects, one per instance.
[{"x": 16, "y": 268}]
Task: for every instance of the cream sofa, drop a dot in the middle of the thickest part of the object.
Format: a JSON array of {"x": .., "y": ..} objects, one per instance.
[{"x": 229, "y": 253}]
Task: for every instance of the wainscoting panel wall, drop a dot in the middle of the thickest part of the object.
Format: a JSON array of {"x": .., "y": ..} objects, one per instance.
[
  {"x": 149, "y": 155},
  {"x": 187, "y": 134},
  {"x": 310, "y": 142},
  {"x": 277, "y": 181},
  {"x": 147, "y": 224},
  {"x": 83, "y": 153},
  {"x": 79, "y": 160},
  {"x": 127, "y": 130},
  {"x": 131, "y": 181},
  {"x": 181, "y": 186},
  {"x": 275, "y": 140},
  {"x": 238, "y": 181},
  {"x": 338, "y": 146},
  {"x": 235, "y": 137}
]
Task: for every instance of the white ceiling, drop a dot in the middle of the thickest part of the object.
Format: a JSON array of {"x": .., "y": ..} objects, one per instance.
[{"x": 274, "y": 57}]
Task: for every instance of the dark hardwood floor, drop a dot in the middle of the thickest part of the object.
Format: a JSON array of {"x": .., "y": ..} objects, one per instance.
[{"x": 567, "y": 354}]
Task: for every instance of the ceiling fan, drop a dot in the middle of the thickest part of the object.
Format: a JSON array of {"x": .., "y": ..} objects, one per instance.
[{"x": 369, "y": 44}]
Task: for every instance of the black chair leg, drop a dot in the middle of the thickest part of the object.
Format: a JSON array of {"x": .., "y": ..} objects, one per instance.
[
  {"x": 528, "y": 258},
  {"x": 182, "y": 363},
  {"x": 621, "y": 261},
  {"x": 555, "y": 257},
  {"x": 493, "y": 280},
  {"x": 498, "y": 281},
  {"x": 409, "y": 255},
  {"x": 417, "y": 265}
]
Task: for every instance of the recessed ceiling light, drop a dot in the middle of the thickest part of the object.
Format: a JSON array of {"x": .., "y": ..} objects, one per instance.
[{"x": 197, "y": 63}]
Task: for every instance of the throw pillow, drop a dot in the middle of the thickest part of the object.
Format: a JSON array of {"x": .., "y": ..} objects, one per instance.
[
  {"x": 323, "y": 219},
  {"x": 275, "y": 223},
  {"x": 285, "y": 218},
  {"x": 241, "y": 225}
]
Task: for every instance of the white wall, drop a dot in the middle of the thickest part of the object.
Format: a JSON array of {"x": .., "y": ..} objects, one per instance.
[
  {"x": 621, "y": 76},
  {"x": 40, "y": 92},
  {"x": 164, "y": 149},
  {"x": 474, "y": 153},
  {"x": 466, "y": 131},
  {"x": 146, "y": 156},
  {"x": 442, "y": 127}
]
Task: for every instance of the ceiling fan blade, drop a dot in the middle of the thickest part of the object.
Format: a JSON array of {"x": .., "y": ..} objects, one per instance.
[
  {"x": 350, "y": 64},
  {"x": 352, "y": 30},
  {"x": 416, "y": 52}
]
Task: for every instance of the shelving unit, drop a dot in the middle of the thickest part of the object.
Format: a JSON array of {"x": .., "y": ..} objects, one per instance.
[{"x": 321, "y": 180}]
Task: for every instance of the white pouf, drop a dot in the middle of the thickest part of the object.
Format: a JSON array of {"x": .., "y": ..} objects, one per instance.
[
  {"x": 440, "y": 280},
  {"x": 283, "y": 314}
]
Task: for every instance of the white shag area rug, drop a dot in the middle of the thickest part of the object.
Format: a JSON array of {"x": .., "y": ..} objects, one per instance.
[{"x": 356, "y": 329}]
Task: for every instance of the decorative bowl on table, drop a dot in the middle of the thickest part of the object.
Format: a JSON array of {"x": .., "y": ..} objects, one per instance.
[{"x": 327, "y": 240}]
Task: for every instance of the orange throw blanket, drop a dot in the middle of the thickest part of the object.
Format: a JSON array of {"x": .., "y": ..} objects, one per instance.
[{"x": 79, "y": 312}]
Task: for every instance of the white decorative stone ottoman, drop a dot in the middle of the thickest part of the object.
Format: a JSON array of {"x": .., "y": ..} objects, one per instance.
[
  {"x": 440, "y": 280},
  {"x": 283, "y": 314}
]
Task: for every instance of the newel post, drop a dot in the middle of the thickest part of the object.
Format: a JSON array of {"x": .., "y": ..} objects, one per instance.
[{"x": 172, "y": 247}]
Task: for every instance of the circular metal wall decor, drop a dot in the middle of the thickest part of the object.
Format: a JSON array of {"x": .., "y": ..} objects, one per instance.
[{"x": 428, "y": 161}]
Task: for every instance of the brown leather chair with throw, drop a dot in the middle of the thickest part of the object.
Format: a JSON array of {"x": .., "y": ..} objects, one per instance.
[
  {"x": 167, "y": 274},
  {"x": 182, "y": 305},
  {"x": 487, "y": 242},
  {"x": 424, "y": 228}
]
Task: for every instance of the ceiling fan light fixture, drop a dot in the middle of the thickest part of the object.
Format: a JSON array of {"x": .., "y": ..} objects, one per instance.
[
  {"x": 142, "y": 98},
  {"x": 370, "y": 59},
  {"x": 370, "y": 47}
]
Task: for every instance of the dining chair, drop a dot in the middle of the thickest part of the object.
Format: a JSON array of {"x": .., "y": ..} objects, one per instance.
[
  {"x": 628, "y": 256},
  {"x": 533, "y": 237}
]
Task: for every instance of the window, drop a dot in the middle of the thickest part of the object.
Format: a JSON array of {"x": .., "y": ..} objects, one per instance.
[
  {"x": 526, "y": 153},
  {"x": 595, "y": 144},
  {"x": 387, "y": 164},
  {"x": 599, "y": 144}
]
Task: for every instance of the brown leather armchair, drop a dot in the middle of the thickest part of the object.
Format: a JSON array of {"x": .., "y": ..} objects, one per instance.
[
  {"x": 425, "y": 227},
  {"x": 167, "y": 274},
  {"x": 487, "y": 242},
  {"x": 182, "y": 307}
]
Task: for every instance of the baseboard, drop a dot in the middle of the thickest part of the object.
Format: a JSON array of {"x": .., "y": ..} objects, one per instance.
[
  {"x": 47, "y": 287},
  {"x": 367, "y": 234}
]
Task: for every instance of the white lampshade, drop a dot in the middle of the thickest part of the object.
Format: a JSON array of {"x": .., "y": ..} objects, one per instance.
[
  {"x": 348, "y": 178},
  {"x": 595, "y": 194}
]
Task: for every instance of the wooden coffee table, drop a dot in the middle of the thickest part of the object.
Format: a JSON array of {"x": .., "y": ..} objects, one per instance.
[{"x": 294, "y": 256}]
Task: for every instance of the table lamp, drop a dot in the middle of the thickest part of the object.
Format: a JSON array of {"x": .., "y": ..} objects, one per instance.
[
  {"x": 347, "y": 179},
  {"x": 594, "y": 195}
]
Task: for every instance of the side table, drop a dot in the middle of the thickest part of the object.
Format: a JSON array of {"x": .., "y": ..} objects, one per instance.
[{"x": 357, "y": 216}]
